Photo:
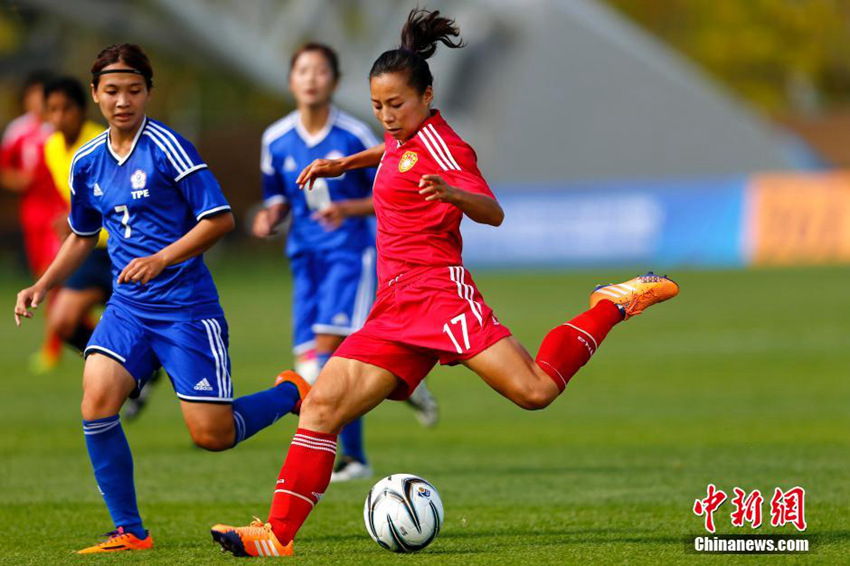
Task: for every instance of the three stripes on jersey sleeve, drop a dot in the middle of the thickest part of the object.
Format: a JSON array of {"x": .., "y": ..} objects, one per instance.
[
  {"x": 272, "y": 133},
  {"x": 438, "y": 148},
  {"x": 84, "y": 150},
  {"x": 177, "y": 156},
  {"x": 356, "y": 127},
  {"x": 340, "y": 119},
  {"x": 164, "y": 139}
]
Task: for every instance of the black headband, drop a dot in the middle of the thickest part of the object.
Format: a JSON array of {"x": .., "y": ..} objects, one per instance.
[{"x": 114, "y": 71}]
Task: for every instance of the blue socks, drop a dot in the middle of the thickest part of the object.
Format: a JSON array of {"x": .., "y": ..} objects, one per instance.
[
  {"x": 113, "y": 469},
  {"x": 112, "y": 460},
  {"x": 253, "y": 413},
  {"x": 351, "y": 437}
]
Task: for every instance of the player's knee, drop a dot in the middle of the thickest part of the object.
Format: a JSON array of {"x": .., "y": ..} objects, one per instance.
[
  {"x": 211, "y": 439},
  {"x": 99, "y": 402},
  {"x": 533, "y": 399},
  {"x": 62, "y": 324},
  {"x": 320, "y": 413}
]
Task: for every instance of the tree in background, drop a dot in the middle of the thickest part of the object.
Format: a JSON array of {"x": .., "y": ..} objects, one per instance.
[{"x": 784, "y": 56}]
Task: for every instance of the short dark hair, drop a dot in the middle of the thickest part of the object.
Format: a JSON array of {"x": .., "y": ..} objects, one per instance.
[
  {"x": 36, "y": 78},
  {"x": 71, "y": 88},
  {"x": 325, "y": 50},
  {"x": 419, "y": 38},
  {"x": 130, "y": 54}
]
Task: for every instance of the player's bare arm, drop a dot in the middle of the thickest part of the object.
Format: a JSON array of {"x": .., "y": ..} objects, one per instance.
[
  {"x": 15, "y": 181},
  {"x": 195, "y": 242},
  {"x": 267, "y": 220},
  {"x": 335, "y": 167},
  {"x": 71, "y": 255},
  {"x": 480, "y": 208},
  {"x": 333, "y": 216}
]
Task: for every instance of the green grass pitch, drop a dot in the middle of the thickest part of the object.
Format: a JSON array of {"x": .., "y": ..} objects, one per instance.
[{"x": 743, "y": 380}]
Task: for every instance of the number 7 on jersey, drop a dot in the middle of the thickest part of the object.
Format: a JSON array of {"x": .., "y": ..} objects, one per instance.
[{"x": 125, "y": 220}]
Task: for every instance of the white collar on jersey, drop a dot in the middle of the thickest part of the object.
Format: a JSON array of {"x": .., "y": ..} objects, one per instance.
[
  {"x": 117, "y": 157},
  {"x": 318, "y": 137}
]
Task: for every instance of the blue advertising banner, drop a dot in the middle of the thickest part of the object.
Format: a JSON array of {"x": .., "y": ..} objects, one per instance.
[{"x": 654, "y": 223}]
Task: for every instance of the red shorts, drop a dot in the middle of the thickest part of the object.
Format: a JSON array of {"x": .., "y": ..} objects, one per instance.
[{"x": 430, "y": 315}]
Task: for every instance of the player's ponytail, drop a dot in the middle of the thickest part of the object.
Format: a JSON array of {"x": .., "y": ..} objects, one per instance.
[
  {"x": 424, "y": 29},
  {"x": 419, "y": 38}
]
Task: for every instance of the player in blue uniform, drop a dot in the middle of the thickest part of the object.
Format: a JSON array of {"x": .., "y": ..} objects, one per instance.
[
  {"x": 331, "y": 243},
  {"x": 162, "y": 207}
]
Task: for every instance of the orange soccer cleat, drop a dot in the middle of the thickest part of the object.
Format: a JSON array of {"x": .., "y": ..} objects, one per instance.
[
  {"x": 119, "y": 540},
  {"x": 289, "y": 376},
  {"x": 635, "y": 295},
  {"x": 257, "y": 539}
]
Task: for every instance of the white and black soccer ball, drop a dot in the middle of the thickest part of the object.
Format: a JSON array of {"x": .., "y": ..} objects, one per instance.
[{"x": 403, "y": 513}]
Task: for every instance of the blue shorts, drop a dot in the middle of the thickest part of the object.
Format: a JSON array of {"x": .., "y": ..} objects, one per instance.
[
  {"x": 94, "y": 273},
  {"x": 194, "y": 353},
  {"x": 332, "y": 293}
]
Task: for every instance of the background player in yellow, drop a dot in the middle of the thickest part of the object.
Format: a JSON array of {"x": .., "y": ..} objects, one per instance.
[{"x": 91, "y": 285}]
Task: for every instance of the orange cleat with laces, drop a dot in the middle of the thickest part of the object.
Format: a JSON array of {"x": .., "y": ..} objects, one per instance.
[
  {"x": 257, "y": 539},
  {"x": 118, "y": 541},
  {"x": 300, "y": 384},
  {"x": 635, "y": 295}
]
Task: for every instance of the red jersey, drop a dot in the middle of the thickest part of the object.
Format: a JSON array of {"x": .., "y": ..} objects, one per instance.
[
  {"x": 412, "y": 232},
  {"x": 22, "y": 149}
]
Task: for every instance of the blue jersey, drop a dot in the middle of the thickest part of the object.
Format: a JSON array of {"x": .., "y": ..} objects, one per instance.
[
  {"x": 147, "y": 200},
  {"x": 287, "y": 149}
]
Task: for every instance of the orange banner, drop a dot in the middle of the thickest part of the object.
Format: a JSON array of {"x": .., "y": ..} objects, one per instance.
[{"x": 799, "y": 219}]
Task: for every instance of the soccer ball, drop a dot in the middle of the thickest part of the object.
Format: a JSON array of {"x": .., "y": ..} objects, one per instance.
[{"x": 403, "y": 513}]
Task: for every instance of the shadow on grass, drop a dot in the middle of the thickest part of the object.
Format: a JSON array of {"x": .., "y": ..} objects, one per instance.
[
  {"x": 827, "y": 537},
  {"x": 602, "y": 535},
  {"x": 556, "y": 470}
]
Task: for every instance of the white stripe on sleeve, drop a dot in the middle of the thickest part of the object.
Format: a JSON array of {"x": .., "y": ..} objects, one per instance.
[
  {"x": 164, "y": 131},
  {"x": 443, "y": 144},
  {"x": 431, "y": 151},
  {"x": 159, "y": 144}
]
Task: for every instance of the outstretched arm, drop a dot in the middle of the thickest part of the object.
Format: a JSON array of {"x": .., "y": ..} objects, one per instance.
[
  {"x": 15, "y": 181},
  {"x": 333, "y": 216},
  {"x": 268, "y": 219},
  {"x": 71, "y": 255},
  {"x": 335, "y": 167},
  {"x": 478, "y": 207},
  {"x": 193, "y": 243}
]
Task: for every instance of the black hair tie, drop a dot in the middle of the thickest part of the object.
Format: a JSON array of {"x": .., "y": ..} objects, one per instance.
[{"x": 116, "y": 71}]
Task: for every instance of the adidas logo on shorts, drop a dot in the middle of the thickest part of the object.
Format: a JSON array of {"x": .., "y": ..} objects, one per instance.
[{"x": 203, "y": 385}]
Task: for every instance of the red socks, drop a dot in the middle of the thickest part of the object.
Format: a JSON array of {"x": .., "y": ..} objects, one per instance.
[
  {"x": 306, "y": 472},
  {"x": 303, "y": 480},
  {"x": 569, "y": 346}
]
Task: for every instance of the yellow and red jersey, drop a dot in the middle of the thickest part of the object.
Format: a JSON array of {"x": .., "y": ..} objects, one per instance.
[
  {"x": 22, "y": 149},
  {"x": 58, "y": 156}
]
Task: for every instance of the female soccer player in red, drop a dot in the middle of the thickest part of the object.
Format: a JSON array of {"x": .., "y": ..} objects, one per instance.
[
  {"x": 331, "y": 244},
  {"x": 427, "y": 309}
]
